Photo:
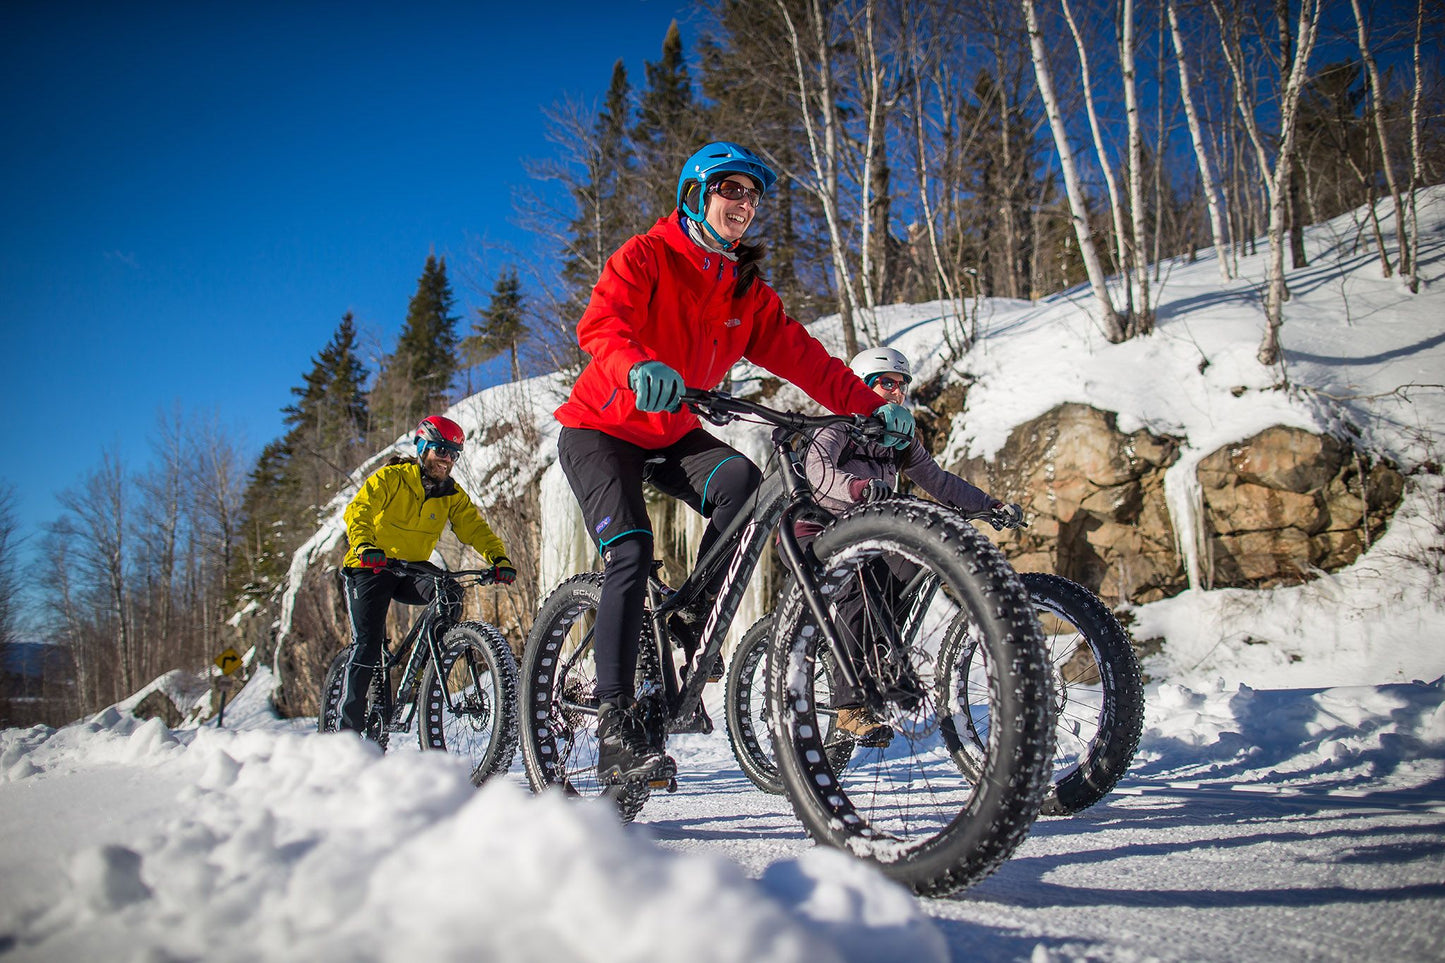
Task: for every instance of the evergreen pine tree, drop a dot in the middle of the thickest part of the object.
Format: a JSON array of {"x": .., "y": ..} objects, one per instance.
[
  {"x": 328, "y": 420},
  {"x": 668, "y": 127},
  {"x": 499, "y": 326},
  {"x": 606, "y": 215},
  {"x": 270, "y": 523},
  {"x": 416, "y": 379}
]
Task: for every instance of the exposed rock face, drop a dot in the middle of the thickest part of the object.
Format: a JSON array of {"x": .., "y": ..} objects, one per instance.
[
  {"x": 1095, "y": 500},
  {"x": 320, "y": 627},
  {"x": 1275, "y": 507},
  {"x": 1287, "y": 502},
  {"x": 158, "y": 705}
]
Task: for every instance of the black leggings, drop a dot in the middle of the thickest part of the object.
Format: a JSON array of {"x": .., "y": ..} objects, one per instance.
[
  {"x": 888, "y": 576},
  {"x": 606, "y": 474},
  {"x": 368, "y": 597}
]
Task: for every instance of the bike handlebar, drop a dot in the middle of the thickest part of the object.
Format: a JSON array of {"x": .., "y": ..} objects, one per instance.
[
  {"x": 473, "y": 576},
  {"x": 721, "y": 408}
]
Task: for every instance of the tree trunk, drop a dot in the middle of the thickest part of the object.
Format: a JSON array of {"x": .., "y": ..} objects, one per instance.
[
  {"x": 1372, "y": 75},
  {"x": 1141, "y": 314},
  {"x": 1276, "y": 179},
  {"x": 1078, "y": 205},
  {"x": 1118, "y": 234},
  {"x": 823, "y": 151}
]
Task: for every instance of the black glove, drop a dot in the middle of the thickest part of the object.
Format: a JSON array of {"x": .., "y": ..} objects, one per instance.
[
  {"x": 372, "y": 557},
  {"x": 867, "y": 490},
  {"x": 503, "y": 572},
  {"x": 1007, "y": 516}
]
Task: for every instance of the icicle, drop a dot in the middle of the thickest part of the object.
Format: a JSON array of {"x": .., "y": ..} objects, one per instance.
[
  {"x": 1185, "y": 500},
  {"x": 565, "y": 548}
]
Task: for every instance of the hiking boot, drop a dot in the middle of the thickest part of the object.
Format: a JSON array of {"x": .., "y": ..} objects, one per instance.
[
  {"x": 624, "y": 753},
  {"x": 863, "y": 727}
]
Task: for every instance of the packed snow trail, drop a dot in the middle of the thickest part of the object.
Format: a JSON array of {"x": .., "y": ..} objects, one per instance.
[{"x": 267, "y": 841}]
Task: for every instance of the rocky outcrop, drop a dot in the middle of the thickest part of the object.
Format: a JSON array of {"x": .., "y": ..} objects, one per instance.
[
  {"x": 1286, "y": 503},
  {"x": 1273, "y": 509},
  {"x": 1095, "y": 499}
]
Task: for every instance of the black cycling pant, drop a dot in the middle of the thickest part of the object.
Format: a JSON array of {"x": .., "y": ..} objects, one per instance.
[
  {"x": 606, "y": 475},
  {"x": 369, "y": 593},
  {"x": 886, "y": 577}
]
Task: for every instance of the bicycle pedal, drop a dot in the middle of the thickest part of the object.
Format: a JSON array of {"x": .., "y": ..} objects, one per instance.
[{"x": 669, "y": 784}]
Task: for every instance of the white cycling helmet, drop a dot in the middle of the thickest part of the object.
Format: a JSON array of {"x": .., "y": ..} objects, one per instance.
[{"x": 877, "y": 361}]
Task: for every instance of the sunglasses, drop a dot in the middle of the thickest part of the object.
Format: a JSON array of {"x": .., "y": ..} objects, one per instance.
[
  {"x": 890, "y": 384},
  {"x": 734, "y": 191},
  {"x": 444, "y": 450}
]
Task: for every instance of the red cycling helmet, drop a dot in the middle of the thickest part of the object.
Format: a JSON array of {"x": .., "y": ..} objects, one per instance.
[{"x": 440, "y": 431}]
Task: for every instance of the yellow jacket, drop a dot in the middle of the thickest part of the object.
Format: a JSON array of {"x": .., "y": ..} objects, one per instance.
[{"x": 392, "y": 513}]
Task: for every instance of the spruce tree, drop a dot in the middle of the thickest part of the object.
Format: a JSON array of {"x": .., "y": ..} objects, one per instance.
[
  {"x": 328, "y": 420},
  {"x": 606, "y": 215},
  {"x": 668, "y": 128},
  {"x": 499, "y": 326},
  {"x": 416, "y": 379},
  {"x": 271, "y": 524}
]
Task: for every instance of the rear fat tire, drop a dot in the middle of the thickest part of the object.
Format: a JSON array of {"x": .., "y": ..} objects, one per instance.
[
  {"x": 960, "y": 833},
  {"x": 559, "y": 701},
  {"x": 747, "y": 713},
  {"x": 480, "y": 672},
  {"x": 1099, "y": 690}
]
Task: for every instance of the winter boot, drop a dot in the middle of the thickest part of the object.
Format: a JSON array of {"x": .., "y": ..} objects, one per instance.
[
  {"x": 863, "y": 727},
  {"x": 624, "y": 753}
]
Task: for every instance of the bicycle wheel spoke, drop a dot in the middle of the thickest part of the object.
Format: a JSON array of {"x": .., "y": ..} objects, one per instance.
[
  {"x": 964, "y": 687},
  {"x": 468, "y": 701}
]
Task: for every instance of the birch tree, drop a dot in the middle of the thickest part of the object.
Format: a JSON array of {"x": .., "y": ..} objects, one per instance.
[
  {"x": 1073, "y": 184},
  {"x": 1207, "y": 180},
  {"x": 814, "y": 89},
  {"x": 1275, "y": 174},
  {"x": 1377, "y": 111},
  {"x": 1119, "y": 235},
  {"x": 1141, "y": 313}
]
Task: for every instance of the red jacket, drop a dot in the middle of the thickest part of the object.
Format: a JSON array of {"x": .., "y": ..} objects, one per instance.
[{"x": 663, "y": 297}]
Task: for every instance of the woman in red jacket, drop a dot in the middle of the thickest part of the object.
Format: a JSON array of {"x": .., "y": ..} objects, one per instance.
[{"x": 676, "y": 307}]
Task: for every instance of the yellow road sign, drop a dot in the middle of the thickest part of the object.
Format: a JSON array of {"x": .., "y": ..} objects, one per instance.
[{"x": 228, "y": 661}]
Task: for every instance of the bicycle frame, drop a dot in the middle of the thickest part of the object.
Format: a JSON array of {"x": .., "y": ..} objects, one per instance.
[
  {"x": 783, "y": 497},
  {"x": 417, "y": 656}
]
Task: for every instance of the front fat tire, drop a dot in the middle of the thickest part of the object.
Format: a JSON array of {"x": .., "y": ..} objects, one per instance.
[
  {"x": 941, "y": 833},
  {"x": 559, "y": 702},
  {"x": 479, "y": 673},
  {"x": 1099, "y": 689}
]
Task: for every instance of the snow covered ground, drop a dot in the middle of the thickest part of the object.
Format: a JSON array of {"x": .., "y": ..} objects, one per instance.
[
  {"x": 1271, "y": 824},
  {"x": 1287, "y": 802}
]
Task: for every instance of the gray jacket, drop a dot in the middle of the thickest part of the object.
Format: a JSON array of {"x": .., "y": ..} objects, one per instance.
[{"x": 865, "y": 459}]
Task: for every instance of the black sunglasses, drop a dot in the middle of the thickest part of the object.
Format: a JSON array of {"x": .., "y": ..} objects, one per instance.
[
  {"x": 734, "y": 191},
  {"x": 444, "y": 450},
  {"x": 890, "y": 384}
]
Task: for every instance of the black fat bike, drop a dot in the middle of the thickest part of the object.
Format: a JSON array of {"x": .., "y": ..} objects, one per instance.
[
  {"x": 1098, "y": 692},
  {"x": 456, "y": 680},
  {"x": 919, "y": 813}
]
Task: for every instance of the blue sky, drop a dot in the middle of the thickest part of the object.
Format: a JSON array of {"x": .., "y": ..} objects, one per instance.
[{"x": 193, "y": 194}]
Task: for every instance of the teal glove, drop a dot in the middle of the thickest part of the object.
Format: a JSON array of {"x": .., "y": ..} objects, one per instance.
[
  {"x": 658, "y": 387},
  {"x": 898, "y": 422}
]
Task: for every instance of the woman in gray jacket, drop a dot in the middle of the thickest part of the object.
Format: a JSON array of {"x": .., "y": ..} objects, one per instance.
[{"x": 844, "y": 473}]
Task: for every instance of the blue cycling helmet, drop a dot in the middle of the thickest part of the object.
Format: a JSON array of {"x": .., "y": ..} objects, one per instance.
[{"x": 714, "y": 159}]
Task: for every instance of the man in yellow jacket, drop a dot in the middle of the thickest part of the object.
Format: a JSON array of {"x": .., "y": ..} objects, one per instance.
[{"x": 400, "y": 512}]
